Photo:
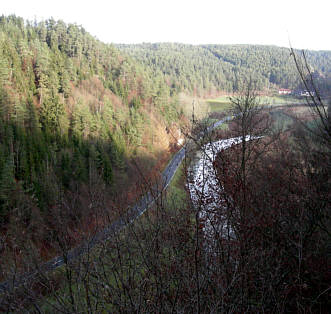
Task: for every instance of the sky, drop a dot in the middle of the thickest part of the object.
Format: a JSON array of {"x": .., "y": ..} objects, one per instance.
[{"x": 300, "y": 23}]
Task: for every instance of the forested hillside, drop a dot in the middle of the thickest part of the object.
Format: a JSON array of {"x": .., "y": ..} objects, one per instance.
[
  {"x": 74, "y": 112},
  {"x": 70, "y": 104},
  {"x": 224, "y": 67},
  {"x": 86, "y": 129}
]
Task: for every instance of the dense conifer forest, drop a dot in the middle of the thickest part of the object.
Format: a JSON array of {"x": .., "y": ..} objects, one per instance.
[
  {"x": 207, "y": 68},
  {"x": 69, "y": 104},
  {"x": 76, "y": 118}
]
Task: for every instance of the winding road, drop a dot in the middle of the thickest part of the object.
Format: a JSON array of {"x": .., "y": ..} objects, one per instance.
[
  {"x": 110, "y": 231},
  {"x": 107, "y": 233}
]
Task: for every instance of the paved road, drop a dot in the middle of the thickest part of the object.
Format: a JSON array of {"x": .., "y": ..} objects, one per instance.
[{"x": 137, "y": 210}]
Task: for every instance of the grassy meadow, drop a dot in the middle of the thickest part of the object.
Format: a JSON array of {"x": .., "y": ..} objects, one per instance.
[{"x": 223, "y": 103}]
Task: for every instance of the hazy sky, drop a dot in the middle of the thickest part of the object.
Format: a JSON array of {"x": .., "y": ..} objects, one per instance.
[{"x": 305, "y": 23}]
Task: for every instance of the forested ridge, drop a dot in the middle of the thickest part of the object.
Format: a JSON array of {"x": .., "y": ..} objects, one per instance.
[
  {"x": 204, "y": 68},
  {"x": 74, "y": 113}
]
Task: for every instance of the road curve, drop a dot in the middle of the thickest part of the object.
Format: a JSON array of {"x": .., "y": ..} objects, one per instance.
[{"x": 137, "y": 210}]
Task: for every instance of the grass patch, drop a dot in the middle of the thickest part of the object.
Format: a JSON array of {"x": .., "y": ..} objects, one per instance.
[
  {"x": 176, "y": 194},
  {"x": 219, "y": 107},
  {"x": 223, "y": 103},
  {"x": 279, "y": 100},
  {"x": 219, "y": 104}
]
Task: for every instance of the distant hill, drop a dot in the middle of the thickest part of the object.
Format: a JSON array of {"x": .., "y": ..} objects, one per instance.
[{"x": 224, "y": 67}]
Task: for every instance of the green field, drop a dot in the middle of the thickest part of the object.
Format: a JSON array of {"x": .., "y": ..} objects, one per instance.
[
  {"x": 279, "y": 100},
  {"x": 219, "y": 104},
  {"x": 223, "y": 103}
]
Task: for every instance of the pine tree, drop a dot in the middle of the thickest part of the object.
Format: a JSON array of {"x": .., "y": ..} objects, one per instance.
[{"x": 51, "y": 112}]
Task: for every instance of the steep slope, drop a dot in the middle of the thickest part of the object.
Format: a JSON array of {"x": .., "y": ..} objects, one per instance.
[{"x": 74, "y": 115}]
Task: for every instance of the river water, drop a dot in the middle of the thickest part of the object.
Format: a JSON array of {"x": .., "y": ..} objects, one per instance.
[{"x": 206, "y": 192}]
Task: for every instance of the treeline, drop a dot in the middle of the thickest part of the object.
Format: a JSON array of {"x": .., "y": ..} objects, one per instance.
[
  {"x": 70, "y": 106},
  {"x": 204, "y": 68}
]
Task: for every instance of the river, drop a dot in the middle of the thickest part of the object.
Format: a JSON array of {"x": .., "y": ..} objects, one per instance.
[{"x": 206, "y": 192}]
